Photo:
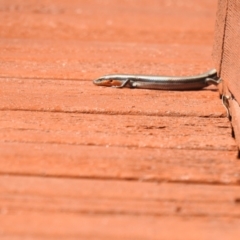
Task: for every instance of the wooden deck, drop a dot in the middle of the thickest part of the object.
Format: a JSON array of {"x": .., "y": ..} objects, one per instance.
[{"x": 86, "y": 162}]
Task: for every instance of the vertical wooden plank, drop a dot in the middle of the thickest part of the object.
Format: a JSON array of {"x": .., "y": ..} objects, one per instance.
[
  {"x": 235, "y": 113},
  {"x": 219, "y": 33},
  {"x": 226, "y": 54},
  {"x": 231, "y": 51},
  {"x": 226, "y": 49}
]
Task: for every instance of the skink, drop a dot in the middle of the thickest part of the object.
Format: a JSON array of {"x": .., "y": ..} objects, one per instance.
[{"x": 160, "y": 82}]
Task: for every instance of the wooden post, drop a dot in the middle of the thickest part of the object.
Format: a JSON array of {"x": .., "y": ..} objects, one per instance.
[{"x": 226, "y": 55}]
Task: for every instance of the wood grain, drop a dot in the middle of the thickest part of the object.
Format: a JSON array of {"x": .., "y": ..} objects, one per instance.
[
  {"x": 115, "y": 209},
  {"x": 235, "y": 116},
  {"x": 84, "y": 97},
  {"x": 230, "y": 58},
  {"x": 220, "y": 28},
  {"x": 94, "y": 38},
  {"x": 226, "y": 53},
  {"x": 84, "y": 162},
  {"x": 81, "y": 60},
  {"x": 123, "y": 163},
  {"x": 57, "y": 20},
  {"x": 127, "y": 130}
]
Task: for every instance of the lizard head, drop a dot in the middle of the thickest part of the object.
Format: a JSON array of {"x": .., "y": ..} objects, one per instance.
[{"x": 107, "y": 82}]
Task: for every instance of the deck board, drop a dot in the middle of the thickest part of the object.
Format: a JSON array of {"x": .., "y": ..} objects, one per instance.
[
  {"x": 81, "y": 60},
  {"x": 100, "y": 209},
  {"x": 83, "y": 97},
  {"x": 84, "y": 162},
  {"x": 107, "y": 130},
  {"x": 125, "y": 163}
]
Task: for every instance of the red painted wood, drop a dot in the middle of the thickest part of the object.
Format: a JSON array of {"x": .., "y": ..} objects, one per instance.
[
  {"x": 84, "y": 162},
  {"x": 220, "y": 28},
  {"x": 74, "y": 209},
  {"x": 226, "y": 55}
]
